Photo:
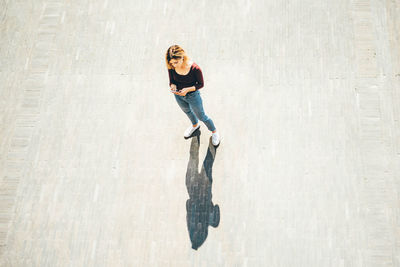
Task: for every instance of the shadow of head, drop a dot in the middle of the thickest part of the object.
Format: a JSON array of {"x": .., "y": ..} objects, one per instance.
[{"x": 201, "y": 212}]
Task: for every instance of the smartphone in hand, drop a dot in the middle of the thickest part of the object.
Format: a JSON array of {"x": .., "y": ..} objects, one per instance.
[{"x": 174, "y": 89}]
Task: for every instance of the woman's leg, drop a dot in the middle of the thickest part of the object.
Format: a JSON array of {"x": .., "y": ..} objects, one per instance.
[
  {"x": 186, "y": 108},
  {"x": 196, "y": 104}
]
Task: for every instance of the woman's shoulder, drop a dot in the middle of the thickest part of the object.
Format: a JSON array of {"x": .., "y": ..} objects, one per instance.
[{"x": 194, "y": 65}]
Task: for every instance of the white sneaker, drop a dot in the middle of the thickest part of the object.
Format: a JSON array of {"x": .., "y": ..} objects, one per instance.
[
  {"x": 190, "y": 130},
  {"x": 215, "y": 139}
]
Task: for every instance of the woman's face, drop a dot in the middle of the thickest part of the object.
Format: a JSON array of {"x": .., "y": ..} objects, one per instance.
[{"x": 176, "y": 62}]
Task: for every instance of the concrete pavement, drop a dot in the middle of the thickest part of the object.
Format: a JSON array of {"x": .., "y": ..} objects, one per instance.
[{"x": 94, "y": 169}]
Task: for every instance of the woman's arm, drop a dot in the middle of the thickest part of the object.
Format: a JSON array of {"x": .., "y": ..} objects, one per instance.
[
  {"x": 171, "y": 79},
  {"x": 190, "y": 89},
  {"x": 199, "y": 77}
]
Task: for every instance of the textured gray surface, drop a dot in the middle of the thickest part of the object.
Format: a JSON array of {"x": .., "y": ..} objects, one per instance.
[{"x": 304, "y": 93}]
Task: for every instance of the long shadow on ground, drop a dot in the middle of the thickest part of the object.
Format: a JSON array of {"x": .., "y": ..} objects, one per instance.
[{"x": 201, "y": 212}]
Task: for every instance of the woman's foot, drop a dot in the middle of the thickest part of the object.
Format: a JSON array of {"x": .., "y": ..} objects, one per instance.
[
  {"x": 215, "y": 138},
  {"x": 189, "y": 131}
]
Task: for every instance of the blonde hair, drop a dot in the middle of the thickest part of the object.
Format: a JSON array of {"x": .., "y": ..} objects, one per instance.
[{"x": 175, "y": 52}]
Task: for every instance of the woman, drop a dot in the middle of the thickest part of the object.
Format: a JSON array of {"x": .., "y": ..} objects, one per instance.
[{"x": 185, "y": 80}]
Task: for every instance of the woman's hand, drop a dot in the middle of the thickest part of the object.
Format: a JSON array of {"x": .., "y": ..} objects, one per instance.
[
  {"x": 182, "y": 92},
  {"x": 173, "y": 89}
]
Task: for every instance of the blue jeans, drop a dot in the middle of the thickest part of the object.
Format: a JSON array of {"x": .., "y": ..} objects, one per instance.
[{"x": 192, "y": 105}]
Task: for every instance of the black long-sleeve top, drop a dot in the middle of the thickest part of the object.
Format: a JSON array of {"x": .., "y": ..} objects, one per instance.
[{"x": 193, "y": 78}]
